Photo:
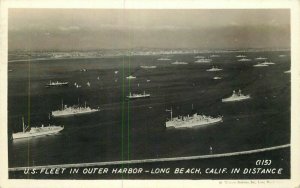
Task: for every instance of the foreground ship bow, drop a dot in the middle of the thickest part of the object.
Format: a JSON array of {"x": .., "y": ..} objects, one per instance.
[{"x": 36, "y": 131}]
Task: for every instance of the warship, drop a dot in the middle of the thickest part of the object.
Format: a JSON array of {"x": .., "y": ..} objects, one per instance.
[
  {"x": 214, "y": 69},
  {"x": 214, "y": 55},
  {"x": 137, "y": 96},
  {"x": 287, "y": 72},
  {"x": 56, "y": 84},
  {"x": 195, "y": 120},
  {"x": 260, "y": 65},
  {"x": 268, "y": 63},
  {"x": 163, "y": 59},
  {"x": 199, "y": 57},
  {"x": 73, "y": 110},
  {"x": 36, "y": 131},
  {"x": 148, "y": 67},
  {"x": 203, "y": 60},
  {"x": 179, "y": 63},
  {"x": 236, "y": 97},
  {"x": 241, "y": 56},
  {"x": 244, "y": 59},
  {"x": 217, "y": 78},
  {"x": 261, "y": 58},
  {"x": 130, "y": 77}
]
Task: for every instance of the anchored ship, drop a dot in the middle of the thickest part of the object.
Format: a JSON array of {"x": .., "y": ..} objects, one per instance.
[
  {"x": 217, "y": 78},
  {"x": 268, "y": 63},
  {"x": 148, "y": 67},
  {"x": 244, "y": 59},
  {"x": 214, "y": 69},
  {"x": 56, "y": 84},
  {"x": 203, "y": 60},
  {"x": 163, "y": 59},
  {"x": 130, "y": 77},
  {"x": 137, "y": 96},
  {"x": 179, "y": 63},
  {"x": 260, "y": 65},
  {"x": 236, "y": 97},
  {"x": 214, "y": 55},
  {"x": 73, "y": 110},
  {"x": 199, "y": 57},
  {"x": 240, "y": 56},
  {"x": 191, "y": 121},
  {"x": 261, "y": 58},
  {"x": 36, "y": 131}
]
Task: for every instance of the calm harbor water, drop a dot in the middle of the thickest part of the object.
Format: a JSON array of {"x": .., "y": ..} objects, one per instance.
[{"x": 125, "y": 130}]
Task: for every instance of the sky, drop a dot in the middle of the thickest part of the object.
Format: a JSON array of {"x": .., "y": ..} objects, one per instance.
[{"x": 93, "y": 29}]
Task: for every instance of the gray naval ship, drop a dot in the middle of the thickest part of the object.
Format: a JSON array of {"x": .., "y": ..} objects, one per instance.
[
  {"x": 73, "y": 110},
  {"x": 137, "y": 96},
  {"x": 36, "y": 131},
  {"x": 236, "y": 97},
  {"x": 195, "y": 120},
  {"x": 56, "y": 84}
]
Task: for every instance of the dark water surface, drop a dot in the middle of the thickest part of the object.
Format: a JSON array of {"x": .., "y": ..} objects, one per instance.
[{"x": 125, "y": 130}]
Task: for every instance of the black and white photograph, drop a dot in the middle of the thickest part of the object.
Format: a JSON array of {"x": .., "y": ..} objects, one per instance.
[{"x": 149, "y": 94}]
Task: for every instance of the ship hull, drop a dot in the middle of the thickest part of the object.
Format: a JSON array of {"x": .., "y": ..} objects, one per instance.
[
  {"x": 196, "y": 124},
  {"x": 29, "y": 135}
]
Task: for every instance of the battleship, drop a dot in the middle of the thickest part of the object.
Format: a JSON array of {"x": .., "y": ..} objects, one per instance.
[
  {"x": 260, "y": 65},
  {"x": 179, "y": 63},
  {"x": 214, "y": 55},
  {"x": 261, "y": 58},
  {"x": 73, "y": 110},
  {"x": 236, "y": 97},
  {"x": 148, "y": 67},
  {"x": 138, "y": 96},
  {"x": 268, "y": 63},
  {"x": 195, "y": 120},
  {"x": 163, "y": 59},
  {"x": 214, "y": 69},
  {"x": 29, "y": 132},
  {"x": 203, "y": 60},
  {"x": 130, "y": 77},
  {"x": 241, "y": 56},
  {"x": 244, "y": 59},
  {"x": 56, "y": 84}
]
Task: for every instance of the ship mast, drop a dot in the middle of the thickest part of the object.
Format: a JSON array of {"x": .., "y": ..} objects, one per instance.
[{"x": 171, "y": 112}]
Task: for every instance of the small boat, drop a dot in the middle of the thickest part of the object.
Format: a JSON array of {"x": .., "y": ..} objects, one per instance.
[
  {"x": 217, "y": 78},
  {"x": 88, "y": 84}
]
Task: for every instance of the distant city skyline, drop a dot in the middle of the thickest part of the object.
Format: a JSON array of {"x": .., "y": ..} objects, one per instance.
[{"x": 92, "y": 29}]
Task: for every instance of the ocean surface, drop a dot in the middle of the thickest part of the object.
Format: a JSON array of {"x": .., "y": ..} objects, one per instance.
[{"x": 126, "y": 130}]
